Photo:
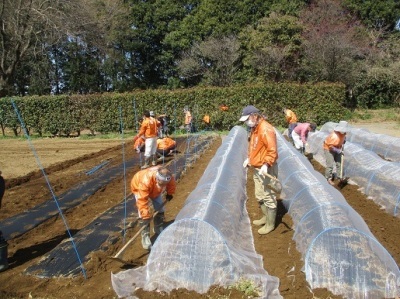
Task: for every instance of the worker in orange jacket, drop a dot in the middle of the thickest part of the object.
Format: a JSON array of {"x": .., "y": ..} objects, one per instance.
[
  {"x": 262, "y": 157},
  {"x": 139, "y": 144},
  {"x": 165, "y": 146},
  {"x": 147, "y": 187},
  {"x": 149, "y": 130},
  {"x": 291, "y": 119},
  {"x": 333, "y": 145}
]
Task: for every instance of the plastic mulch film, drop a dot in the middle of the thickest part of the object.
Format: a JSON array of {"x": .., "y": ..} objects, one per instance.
[
  {"x": 388, "y": 147},
  {"x": 339, "y": 251},
  {"x": 377, "y": 178},
  {"x": 210, "y": 242}
]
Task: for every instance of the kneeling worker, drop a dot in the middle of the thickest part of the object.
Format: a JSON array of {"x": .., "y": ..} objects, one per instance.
[
  {"x": 165, "y": 146},
  {"x": 147, "y": 187}
]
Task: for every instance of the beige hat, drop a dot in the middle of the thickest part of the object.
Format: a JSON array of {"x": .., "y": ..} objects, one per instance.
[{"x": 342, "y": 127}]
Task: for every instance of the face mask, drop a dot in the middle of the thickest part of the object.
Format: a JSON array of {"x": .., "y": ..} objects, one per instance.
[{"x": 250, "y": 123}]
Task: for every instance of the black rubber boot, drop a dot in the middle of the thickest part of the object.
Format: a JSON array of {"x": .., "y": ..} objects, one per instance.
[{"x": 3, "y": 253}]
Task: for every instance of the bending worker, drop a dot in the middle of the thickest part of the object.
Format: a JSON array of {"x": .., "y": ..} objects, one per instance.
[
  {"x": 333, "y": 145},
  {"x": 300, "y": 135},
  {"x": 149, "y": 129},
  {"x": 147, "y": 187},
  {"x": 262, "y": 157},
  {"x": 291, "y": 119},
  {"x": 165, "y": 146}
]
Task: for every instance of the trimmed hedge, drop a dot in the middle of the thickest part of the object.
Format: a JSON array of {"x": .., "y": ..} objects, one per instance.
[{"x": 67, "y": 114}]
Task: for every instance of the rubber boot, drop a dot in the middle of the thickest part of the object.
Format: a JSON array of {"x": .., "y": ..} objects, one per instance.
[
  {"x": 154, "y": 162},
  {"x": 270, "y": 225},
  {"x": 146, "y": 163},
  {"x": 3, "y": 253},
  {"x": 159, "y": 223},
  {"x": 145, "y": 233},
  {"x": 263, "y": 219}
]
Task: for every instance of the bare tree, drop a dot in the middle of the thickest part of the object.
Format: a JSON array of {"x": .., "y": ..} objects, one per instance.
[
  {"x": 214, "y": 59},
  {"x": 34, "y": 26}
]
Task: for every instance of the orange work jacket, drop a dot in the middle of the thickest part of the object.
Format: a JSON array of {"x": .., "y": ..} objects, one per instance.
[
  {"x": 165, "y": 143},
  {"x": 263, "y": 145},
  {"x": 144, "y": 186},
  {"x": 138, "y": 143},
  {"x": 290, "y": 116},
  {"x": 334, "y": 139},
  {"x": 149, "y": 127}
]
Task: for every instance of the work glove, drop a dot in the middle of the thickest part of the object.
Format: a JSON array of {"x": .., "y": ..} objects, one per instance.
[
  {"x": 264, "y": 170},
  {"x": 246, "y": 163},
  {"x": 335, "y": 150},
  {"x": 169, "y": 197}
]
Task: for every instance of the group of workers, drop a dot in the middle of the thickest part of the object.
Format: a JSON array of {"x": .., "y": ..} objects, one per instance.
[{"x": 148, "y": 184}]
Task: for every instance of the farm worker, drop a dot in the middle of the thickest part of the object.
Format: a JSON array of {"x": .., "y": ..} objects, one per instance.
[
  {"x": 139, "y": 144},
  {"x": 188, "y": 119},
  {"x": 333, "y": 145},
  {"x": 262, "y": 157},
  {"x": 147, "y": 187},
  {"x": 3, "y": 242},
  {"x": 291, "y": 119},
  {"x": 149, "y": 130},
  {"x": 165, "y": 146},
  {"x": 300, "y": 135}
]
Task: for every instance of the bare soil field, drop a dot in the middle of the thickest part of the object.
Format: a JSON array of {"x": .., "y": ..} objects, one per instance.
[{"x": 65, "y": 162}]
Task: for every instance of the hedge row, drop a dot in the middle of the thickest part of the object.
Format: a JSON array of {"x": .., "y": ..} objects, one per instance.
[{"x": 69, "y": 114}]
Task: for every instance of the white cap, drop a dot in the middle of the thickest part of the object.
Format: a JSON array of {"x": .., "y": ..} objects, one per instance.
[{"x": 342, "y": 127}]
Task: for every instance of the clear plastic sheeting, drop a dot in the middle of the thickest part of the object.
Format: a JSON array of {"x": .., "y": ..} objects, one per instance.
[
  {"x": 378, "y": 179},
  {"x": 385, "y": 146},
  {"x": 210, "y": 242},
  {"x": 339, "y": 251}
]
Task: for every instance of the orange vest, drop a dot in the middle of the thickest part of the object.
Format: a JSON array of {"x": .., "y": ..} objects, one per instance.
[
  {"x": 138, "y": 143},
  {"x": 334, "y": 139},
  {"x": 165, "y": 143},
  {"x": 144, "y": 186},
  {"x": 290, "y": 116},
  {"x": 149, "y": 127},
  {"x": 262, "y": 146}
]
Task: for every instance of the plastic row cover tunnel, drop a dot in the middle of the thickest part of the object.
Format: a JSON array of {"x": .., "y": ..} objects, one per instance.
[
  {"x": 339, "y": 251},
  {"x": 210, "y": 242},
  {"x": 379, "y": 179},
  {"x": 385, "y": 146}
]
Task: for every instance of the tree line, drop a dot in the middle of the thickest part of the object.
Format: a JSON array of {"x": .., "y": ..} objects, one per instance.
[{"x": 91, "y": 46}]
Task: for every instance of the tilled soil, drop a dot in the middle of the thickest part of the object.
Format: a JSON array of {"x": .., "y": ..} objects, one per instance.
[{"x": 281, "y": 259}]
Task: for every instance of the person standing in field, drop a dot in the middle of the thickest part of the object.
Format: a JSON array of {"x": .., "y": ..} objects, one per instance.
[
  {"x": 262, "y": 158},
  {"x": 149, "y": 130},
  {"x": 300, "y": 135},
  {"x": 147, "y": 187},
  {"x": 188, "y": 119},
  {"x": 291, "y": 119},
  {"x": 333, "y": 146}
]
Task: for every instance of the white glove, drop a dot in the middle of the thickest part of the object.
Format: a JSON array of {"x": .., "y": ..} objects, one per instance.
[
  {"x": 264, "y": 170},
  {"x": 246, "y": 163}
]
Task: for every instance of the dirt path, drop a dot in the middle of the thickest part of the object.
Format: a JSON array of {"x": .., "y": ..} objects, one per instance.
[{"x": 281, "y": 258}]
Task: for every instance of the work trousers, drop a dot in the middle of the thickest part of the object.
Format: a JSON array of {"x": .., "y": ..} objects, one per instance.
[{"x": 265, "y": 195}]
